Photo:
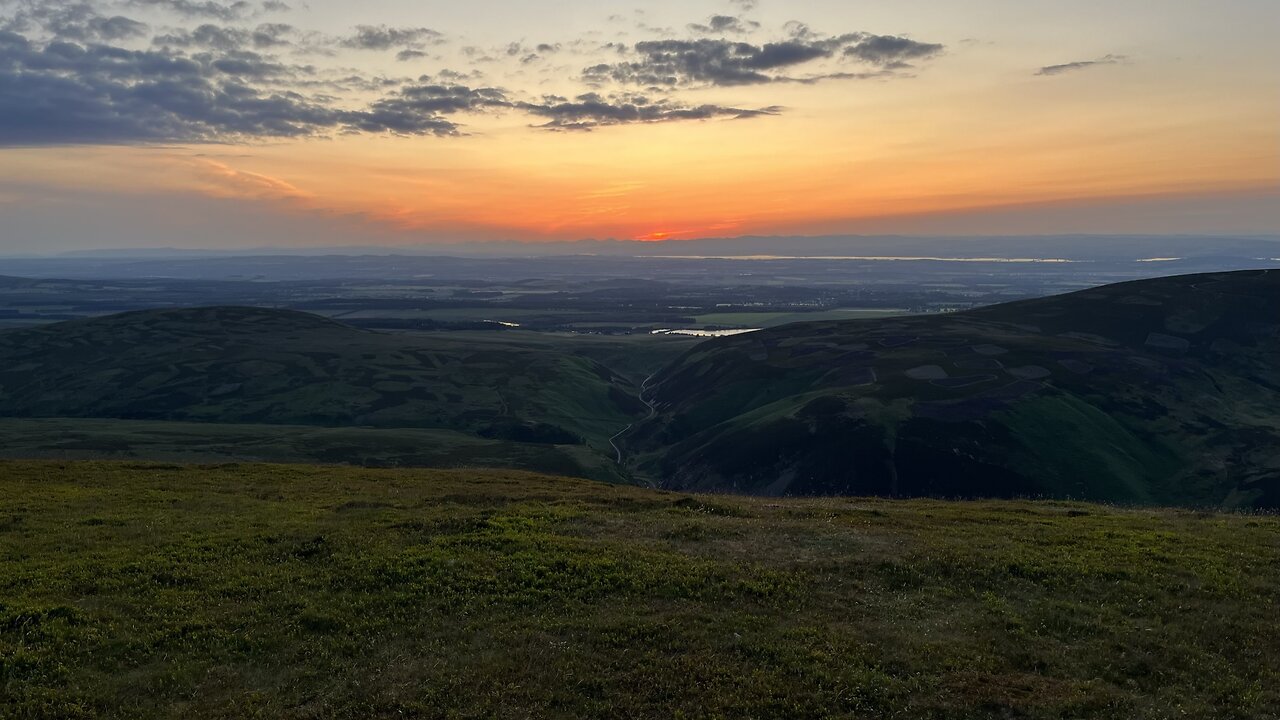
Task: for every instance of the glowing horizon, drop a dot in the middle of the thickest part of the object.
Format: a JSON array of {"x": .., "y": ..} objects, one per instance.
[{"x": 399, "y": 124}]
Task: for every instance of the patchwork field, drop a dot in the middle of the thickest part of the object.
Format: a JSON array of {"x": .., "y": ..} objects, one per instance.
[{"x": 133, "y": 590}]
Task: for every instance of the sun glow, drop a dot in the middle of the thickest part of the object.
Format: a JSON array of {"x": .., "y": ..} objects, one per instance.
[{"x": 972, "y": 132}]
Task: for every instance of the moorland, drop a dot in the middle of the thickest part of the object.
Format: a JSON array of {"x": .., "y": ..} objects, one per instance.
[
  {"x": 135, "y": 590},
  {"x": 1160, "y": 391}
]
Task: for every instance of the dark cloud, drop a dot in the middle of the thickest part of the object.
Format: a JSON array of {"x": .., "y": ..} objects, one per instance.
[
  {"x": 207, "y": 35},
  {"x": 116, "y": 27},
  {"x": 421, "y": 109},
  {"x": 527, "y": 55},
  {"x": 346, "y": 84},
  {"x": 890, "y": 50},
  {"x": 1081, "y": 65},
  {"x": 269, "y": 35},
  {"x": 453, "y": 76},
  {"x": 707, "y": 61},
  {"x": 275, "y": 6},
  {"x": 721, "y": 24},
  {"x": 62, "y": 92},
  {"x": 592, "y": 110},
  {"x": 200, "y": 8},
  {"x": 381, "y": 37},
  {"x": 433, "y": 98},
  {"x": 220, "y": 78},
  {"x": 399, "y": 117},
  {"x": 247, "y": 65},
  {"x": 265, "y": 36},
  {"x": 78, "y": 21}
]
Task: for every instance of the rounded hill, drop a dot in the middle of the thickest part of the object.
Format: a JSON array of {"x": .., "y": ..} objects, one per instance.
[
  {"x": 1155, "y": 391},
  {"x": 269, "y": 366}
]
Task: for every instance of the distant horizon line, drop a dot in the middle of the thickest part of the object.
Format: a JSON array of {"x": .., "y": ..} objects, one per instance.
[{"x": 438, "y": 248}]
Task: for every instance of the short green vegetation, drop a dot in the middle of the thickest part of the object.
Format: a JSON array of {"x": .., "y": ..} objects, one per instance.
[
  {"x": 1160, "y": 392},
  {"x": 240, "y": 591},
  {"x": 107, "y": 439},
  {"x": 256, "y": 366}
]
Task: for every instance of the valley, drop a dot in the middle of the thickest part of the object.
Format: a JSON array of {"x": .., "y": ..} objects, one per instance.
[{"x": 1153, "y": 392}]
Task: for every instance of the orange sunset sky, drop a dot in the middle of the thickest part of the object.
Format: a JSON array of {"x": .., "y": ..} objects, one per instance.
[{"x": 167, "y": 123}]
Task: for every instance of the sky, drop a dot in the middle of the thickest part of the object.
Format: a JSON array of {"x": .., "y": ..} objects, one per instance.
[{"x": 251, "y": 123}]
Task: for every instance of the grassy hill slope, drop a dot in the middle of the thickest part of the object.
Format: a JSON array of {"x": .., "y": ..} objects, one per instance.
[
  {"x": 110, "y": 439},
  {"x": 1155, "y": 391},
  {"x": 261, "y": 366},
  {"x": 167, "y": 591}
]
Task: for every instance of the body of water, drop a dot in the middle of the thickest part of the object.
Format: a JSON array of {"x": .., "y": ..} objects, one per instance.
[{"x": 704, "y": 333}]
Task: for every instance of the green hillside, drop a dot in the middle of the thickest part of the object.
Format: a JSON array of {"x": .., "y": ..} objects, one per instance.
[
  {"x": 111, "y": 439},
  {"x": 1156, "y": 391},
  {"x": 262, "y": 366},
  {"x": 252, "y": 365},
  {"x": 1153, "y": 392},
  {"x": 169, "y": 591}
]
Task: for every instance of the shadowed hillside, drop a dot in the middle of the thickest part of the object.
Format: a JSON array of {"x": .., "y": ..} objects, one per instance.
[
  {"x": 254, "y": 365},
  {"x": 1155, "y": 391}
]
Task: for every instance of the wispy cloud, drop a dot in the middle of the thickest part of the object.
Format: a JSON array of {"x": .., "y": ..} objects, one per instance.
[
  {"x": 226, "y": 181},
  {"x": 1081, "y": 65}
]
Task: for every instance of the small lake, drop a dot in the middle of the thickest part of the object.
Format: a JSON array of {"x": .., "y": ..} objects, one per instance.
[{"x": 705, "y": 333}]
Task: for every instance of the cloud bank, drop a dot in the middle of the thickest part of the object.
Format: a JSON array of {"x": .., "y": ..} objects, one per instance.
[
  {"x": 722, "y": 62},
  {"x": 76, "y": 72}
]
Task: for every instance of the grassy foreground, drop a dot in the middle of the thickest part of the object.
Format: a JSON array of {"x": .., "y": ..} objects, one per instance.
[{"x": 144, "y": 590}]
